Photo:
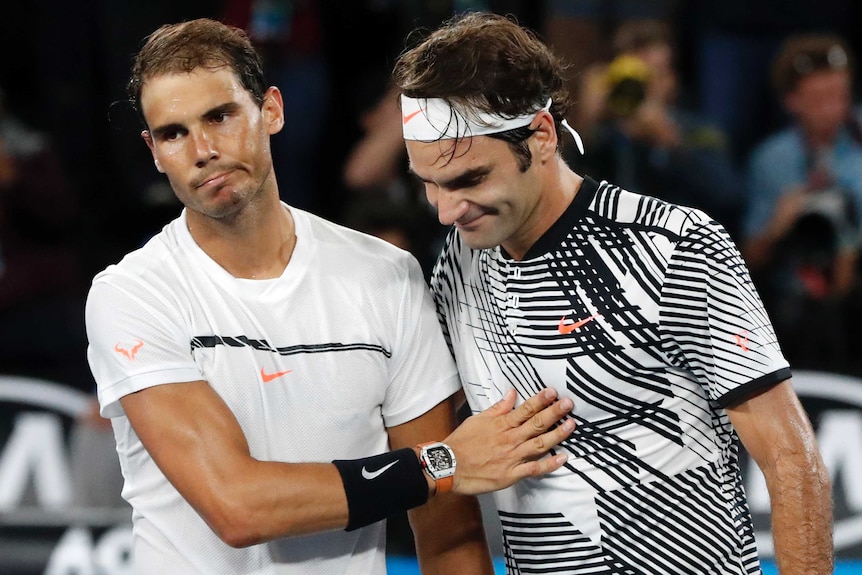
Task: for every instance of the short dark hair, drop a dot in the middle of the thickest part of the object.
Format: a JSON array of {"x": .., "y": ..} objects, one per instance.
[
  {"x": 201, "y": 43},
  {"x": 804, "y": 54},
  {"x": 488, "y": 62}
]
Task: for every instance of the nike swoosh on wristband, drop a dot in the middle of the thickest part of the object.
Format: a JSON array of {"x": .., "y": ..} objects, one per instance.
[{"x": 372, "y": 474}]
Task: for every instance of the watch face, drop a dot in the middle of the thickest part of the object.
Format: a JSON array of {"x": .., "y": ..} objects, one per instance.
[{"x": 439, "y": 458}]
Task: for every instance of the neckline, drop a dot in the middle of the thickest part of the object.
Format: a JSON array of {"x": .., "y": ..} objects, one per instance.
[{"x": 560, "y": 228}]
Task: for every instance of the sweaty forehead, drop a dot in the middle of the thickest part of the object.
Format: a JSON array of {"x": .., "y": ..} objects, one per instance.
[{"x": 189, "y": 93}]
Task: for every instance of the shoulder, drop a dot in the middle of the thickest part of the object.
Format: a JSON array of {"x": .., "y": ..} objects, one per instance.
[
  {"x": 645, "y": 213},
  {"x": 343, "y": 249},
  {"x": 146, "y": 262}
]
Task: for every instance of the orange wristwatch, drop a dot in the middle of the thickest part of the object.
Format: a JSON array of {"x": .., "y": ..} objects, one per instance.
[{"x": 438, "y": 460}]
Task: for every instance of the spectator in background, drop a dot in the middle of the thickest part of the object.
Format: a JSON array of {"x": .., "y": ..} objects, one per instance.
[
  {"x": 805, "y": 200},
  {"x": 582, "y": 32},
  {"x": 42, "y": 295},
  {"x": 42, "y": 287},
  {"x": 732, "y": 44},
  {"x": 640, "y": 134}
]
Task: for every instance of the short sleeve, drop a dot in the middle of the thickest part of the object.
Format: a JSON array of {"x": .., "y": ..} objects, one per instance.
[
  {"x": 712, "y": 320},
  {"x": 135, "y": 341},
  {"x": 423, "y": 372}
]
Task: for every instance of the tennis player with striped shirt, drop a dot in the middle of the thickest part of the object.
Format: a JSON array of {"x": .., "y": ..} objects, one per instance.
[{"x": 640, "y": 311}]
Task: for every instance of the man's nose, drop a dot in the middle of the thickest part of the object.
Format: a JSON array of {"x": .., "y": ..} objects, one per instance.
[
  {"x": 204, "y": 146},
  {"x": 451, "y": 206}
]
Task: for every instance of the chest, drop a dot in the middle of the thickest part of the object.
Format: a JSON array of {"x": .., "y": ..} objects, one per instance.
[{"x": 293, "y": 362}]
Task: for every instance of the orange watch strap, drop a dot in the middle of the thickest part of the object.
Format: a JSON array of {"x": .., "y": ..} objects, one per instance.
[{"x": 445, "y": 485}]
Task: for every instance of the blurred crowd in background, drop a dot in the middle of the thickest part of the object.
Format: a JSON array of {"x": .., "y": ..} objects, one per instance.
[{"x": 743, "y": 108}]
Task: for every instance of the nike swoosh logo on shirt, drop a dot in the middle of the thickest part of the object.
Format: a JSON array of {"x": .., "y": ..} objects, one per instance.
[
  {"x": 564, "y": 329},
  {"x": 372, "y": 474},
  {"x": 267, "y": 377}
]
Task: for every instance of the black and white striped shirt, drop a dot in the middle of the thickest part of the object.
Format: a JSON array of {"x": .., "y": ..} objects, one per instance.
[{"x": 644, "y": 313}]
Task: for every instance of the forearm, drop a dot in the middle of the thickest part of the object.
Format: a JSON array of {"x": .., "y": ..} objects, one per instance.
[
  {"x": 197, "y": 443},
  {"x": 450, "y": 537},
  {"x": 785, "y": 213},
  {"x": 757, "y": 252},
  {"x": 300, "y": 498},
  {"x": 269, "y": 500},
  {"x": 801, "y": 499},
  {"x": 777, "y": 433}
]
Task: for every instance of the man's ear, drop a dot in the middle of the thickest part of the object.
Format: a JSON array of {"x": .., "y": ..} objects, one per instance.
[
  {"x": 148, "y": 139},
  {"x": 273, "y": 110},
  {"x": 544, "y": 135},
  {"x": 145, "y": 134}
]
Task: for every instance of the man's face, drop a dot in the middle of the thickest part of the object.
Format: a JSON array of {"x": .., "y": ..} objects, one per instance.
[
  {"x": 210, "y": 138},
  {"x": 481, "y": 191},
  {"x": 821, "y": 103}
]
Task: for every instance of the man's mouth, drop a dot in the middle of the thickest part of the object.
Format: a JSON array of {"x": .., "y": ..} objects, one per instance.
[
  {"x": 471, "y": 219},
  {"x": 213, "y": 179}
]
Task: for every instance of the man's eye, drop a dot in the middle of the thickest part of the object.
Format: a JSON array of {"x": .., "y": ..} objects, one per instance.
[
  {"x": 221, "y": 118},
  {"x": 465, "y": 184},
  {"x": 171, "y": 136}
]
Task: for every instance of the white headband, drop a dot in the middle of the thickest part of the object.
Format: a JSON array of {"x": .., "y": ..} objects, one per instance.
[{"x": 431, "y": 119}]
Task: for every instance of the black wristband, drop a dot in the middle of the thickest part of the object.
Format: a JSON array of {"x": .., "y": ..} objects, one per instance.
[{"x": 382, "y": 485}]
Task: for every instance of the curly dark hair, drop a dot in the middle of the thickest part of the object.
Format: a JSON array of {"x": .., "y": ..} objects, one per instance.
[
  {"x": 201, "y": 43},
  {"x": 486, "y": 62}
]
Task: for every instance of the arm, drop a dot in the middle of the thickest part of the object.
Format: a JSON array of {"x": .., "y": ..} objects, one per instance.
[
  {"x": 448, "y": 530},
  {"x": 777, "y": 434},
  {"x": 197, "y": 443}
]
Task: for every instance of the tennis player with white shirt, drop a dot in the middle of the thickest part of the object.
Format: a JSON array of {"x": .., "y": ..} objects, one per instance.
[{"x": 278, "y": 385}]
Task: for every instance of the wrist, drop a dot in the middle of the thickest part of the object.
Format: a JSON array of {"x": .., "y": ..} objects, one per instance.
[
  {"x": 378, "y": 486},
  {"x": 432, "y": 483},
  {"x": 438, "y": 462}
]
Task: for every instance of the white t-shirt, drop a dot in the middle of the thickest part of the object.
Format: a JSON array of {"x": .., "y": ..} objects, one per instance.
[
  {"x": 315, "y": 365},
  {"x": 645, "y": 315}
]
